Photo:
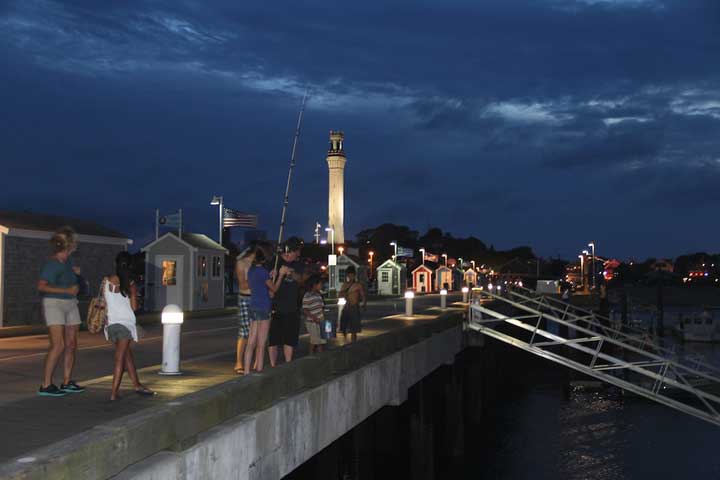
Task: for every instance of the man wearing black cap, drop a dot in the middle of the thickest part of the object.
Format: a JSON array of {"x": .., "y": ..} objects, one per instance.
[{"x": 285, "y": 324}]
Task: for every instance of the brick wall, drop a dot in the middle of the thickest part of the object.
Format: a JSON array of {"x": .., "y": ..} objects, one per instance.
[{"x": 24, "y": 258}]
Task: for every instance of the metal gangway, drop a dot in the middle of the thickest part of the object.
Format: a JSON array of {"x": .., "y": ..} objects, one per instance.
[
  {"x": 626, "y": 333},
  {"x": 588, "y": 346}
]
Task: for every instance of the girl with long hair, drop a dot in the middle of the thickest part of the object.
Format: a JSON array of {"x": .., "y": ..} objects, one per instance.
[{"x": 121, "y": 298}]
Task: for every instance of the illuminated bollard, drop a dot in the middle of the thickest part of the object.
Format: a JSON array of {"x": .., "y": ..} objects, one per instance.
[
  {"x": 409, "y": 295},
  {"x": 341, "y": 305},
  {"x": 172, "y": 319},
  {"x": 443, "y": 298},
  {"x": 465, "y": 291}
]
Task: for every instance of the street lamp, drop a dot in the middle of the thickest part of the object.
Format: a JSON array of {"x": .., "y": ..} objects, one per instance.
[
  {"x": 395, "y": 245},
  {"x": 422, "y": 250},
  {"x": 341, "y": 250},
  {"x": 582, "y": 270},
  {"x": 592, "y": 247},
  {"x": 216, "y": 200},
  {"x": 472, "y": 262},
  {"x": 331, "y": 258},
  {"x": 371, "y": 255},
  {"x": 444, "y": 255},
  {"x": 332, "y": 237}
]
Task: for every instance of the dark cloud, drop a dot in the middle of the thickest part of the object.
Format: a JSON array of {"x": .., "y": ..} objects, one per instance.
[{"x": 507, "y": 119}]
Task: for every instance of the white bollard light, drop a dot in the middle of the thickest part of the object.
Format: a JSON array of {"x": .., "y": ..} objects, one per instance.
[
  {"x": 341, "y": 305},
  {"x": 443, "y": 298},
  {"x": 172, "y": 319},
  {"x": 465, "y": 291},
  {"x": 409, "y": 295}
]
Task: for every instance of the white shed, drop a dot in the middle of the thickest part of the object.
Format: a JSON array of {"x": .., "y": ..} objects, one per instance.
[
  {"x": 343, "y": 262},
  {"x": 187, "y": 271},
  {"x": 391, "y": 278},
  {"x": 443, "y": 278}
]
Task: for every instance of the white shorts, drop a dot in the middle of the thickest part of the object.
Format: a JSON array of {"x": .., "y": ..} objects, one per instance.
[{"x": 61, "y": 311}]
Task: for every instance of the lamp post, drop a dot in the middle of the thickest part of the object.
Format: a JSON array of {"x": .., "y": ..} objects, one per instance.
[
  {"x": 371, "y": 254},
  {"x": 422, "y": 250},
  {"x": 582, "y": 270},
  {"x": 331, "y": 256},
  {"x": 444, "y": 255},
  {"x": 341, "y": 250},
  {"x": 395, "y": 246},
  {"x": 217, "y": 200},
  {"x": 172, "y": 319},
  {"x": 472, "y": 262},
  {"x": 592, "y": 249},
  {"x": 409, "y": 295}
]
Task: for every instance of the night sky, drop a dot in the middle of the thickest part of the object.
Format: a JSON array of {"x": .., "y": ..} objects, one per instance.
[{"x": 547, "y": 123}]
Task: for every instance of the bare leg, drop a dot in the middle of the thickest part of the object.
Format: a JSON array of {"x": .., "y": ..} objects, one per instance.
[
  {"x": 121, "y": 347},
  {"x": 251, "y": 344},
  {"x": 353, "y": 337},
  {"x": 240, "y": 352},
  {"x": 130, "y": 368},
  {"x": 273, "y": 352},
  {"x": 71, "y": 337},
  {"x": 56, "y": 335},
  {"x": 288, "y": 353},
  {"x": 263, "y": 329}
]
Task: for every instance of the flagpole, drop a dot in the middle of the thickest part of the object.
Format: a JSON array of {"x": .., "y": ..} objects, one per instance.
[
  {"x": 222, "y": 216},
  {"x": 292, "y": 165},
  {"x": 157, "y": 223},
  {"x": 180, "y": 223}
]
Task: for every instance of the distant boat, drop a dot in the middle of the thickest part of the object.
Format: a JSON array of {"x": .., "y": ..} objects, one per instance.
[{"x": 698, "y": 327}]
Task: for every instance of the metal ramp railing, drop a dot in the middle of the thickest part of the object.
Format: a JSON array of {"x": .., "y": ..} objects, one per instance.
[
  {"x": 611, "y": 360},
  {"x": 627, "y": 333}
]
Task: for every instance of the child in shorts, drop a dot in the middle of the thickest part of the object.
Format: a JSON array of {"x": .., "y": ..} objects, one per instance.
[{"x": 313, "y": 306}]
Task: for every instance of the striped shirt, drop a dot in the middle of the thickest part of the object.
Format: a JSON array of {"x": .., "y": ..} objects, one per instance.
[{"x": 313, "y": 303}]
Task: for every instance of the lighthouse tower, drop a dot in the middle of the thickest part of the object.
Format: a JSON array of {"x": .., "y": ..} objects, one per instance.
[{"x": 336, "y": 185}]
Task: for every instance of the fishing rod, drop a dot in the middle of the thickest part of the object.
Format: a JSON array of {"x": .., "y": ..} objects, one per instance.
[{"x": 289, "y": 177}]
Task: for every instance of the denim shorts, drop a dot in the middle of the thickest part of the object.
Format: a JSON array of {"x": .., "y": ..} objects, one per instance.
[{"x": 259, "y": 314}]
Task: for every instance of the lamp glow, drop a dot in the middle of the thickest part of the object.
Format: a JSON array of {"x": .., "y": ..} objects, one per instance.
[
  {"x": 172, "y": 319},
  {"x": 409, "y": 294}
]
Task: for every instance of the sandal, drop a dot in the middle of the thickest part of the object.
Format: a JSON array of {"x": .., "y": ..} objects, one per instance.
[
  {"x": 240, "y": 371},
  {"x": 145, "y": 392}
]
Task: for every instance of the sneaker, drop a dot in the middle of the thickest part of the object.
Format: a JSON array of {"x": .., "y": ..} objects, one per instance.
[
  {"x": 51, "y": 391},
  {"x": 72, "y": 387}
]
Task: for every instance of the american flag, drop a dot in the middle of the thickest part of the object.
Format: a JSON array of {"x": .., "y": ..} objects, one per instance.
[{"x": 233, "y": 218}]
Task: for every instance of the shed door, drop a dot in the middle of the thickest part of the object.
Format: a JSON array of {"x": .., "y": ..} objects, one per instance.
[{"x": 170, "y": 283}]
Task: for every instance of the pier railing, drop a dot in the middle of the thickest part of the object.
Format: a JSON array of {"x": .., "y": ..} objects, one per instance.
[{"x": 581, "y": 344}]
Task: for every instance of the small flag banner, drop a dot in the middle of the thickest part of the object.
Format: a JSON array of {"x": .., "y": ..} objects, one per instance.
[
  {"x": 431, "y": 257},
  {"x": 405, "y": 252},
  {"x": 172, "y": 220},
  {"x": 233, "y": 218}
]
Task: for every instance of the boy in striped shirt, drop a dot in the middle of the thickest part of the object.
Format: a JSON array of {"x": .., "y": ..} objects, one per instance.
[{"x": 313, "y": 307}]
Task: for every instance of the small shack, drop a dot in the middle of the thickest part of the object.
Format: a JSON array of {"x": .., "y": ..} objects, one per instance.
[
  {"x": 391, "y": 278},
  {"x": 345, "y": 261},
  {"x": 187, "y": 271},
  {"x": 24, "y": 248},
  {"x": 470, "y": 277},
  {"x": 443, "y": 278},
  {"x": 422, "y": 279}
]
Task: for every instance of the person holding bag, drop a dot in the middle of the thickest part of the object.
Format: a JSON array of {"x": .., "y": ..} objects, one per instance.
[{"x": 120, "y": 295}]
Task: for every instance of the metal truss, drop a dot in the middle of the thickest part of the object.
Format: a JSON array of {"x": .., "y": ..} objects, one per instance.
[
  {"x": 627, "y": 333},
  {"x": 602, "y": 354}
]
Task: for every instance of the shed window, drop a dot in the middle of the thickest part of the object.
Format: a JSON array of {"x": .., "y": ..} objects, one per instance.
[
  {"x": 385, "y": 276},
  {"x": 202, "y": 266},
  {"x": 216, "y": 267},
  {"x": 341, "y": 275}
]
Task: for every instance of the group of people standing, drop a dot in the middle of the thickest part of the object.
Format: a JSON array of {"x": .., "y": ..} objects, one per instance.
[
  {"x": 59, "y": 284},
  {"x": 275, "y": 296}
]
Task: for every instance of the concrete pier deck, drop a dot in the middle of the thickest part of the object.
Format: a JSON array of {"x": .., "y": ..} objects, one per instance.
[{"x": 86, "y": 436}]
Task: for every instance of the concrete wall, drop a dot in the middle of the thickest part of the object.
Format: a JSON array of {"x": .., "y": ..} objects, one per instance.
[
  {"x": 25, "y": 257},
  {"x": 273, "y": 442},
  {"x": 260, "y": 427}
]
